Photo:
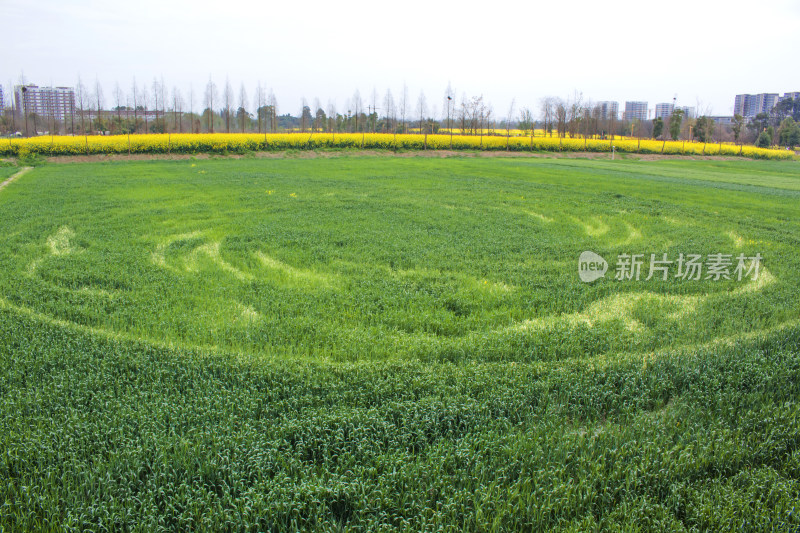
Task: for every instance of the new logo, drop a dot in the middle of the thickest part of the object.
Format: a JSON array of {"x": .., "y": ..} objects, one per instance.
[{"x": 591, "y": 267}]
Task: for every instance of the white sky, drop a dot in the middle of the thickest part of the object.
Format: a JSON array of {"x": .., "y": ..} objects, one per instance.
[{"x": 706, "y": 50}]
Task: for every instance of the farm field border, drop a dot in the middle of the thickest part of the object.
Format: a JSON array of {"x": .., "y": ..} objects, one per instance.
[{"x": 241, "y": 143}]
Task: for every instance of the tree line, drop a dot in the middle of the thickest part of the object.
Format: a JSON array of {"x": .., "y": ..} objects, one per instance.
[{"x": 153, "y": 107}]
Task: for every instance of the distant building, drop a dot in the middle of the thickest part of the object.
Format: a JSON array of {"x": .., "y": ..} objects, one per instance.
[
  {"x": 727, "y": 121},
  {"x": 635, "y": 111},
  {"x": 795, "y": 96},
  {"x": 2, "y": 102},
  {"x": 750, "y": 105},
  {"x": 608, "y": 110},
  {"x": 663, "y": 111},
  {"x": 58, "y": 102}
]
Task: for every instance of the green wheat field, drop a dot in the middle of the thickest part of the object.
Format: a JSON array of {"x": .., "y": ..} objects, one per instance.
[{"x": 370, "y": 343}]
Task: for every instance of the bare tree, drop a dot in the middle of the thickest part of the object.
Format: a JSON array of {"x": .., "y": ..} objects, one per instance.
[
  {"x": 358, "y": 107},
  {"x": 319, "y": 117},
  {"x": 14, "y": 111},
  {"x": 191, "y": 110},
  {"x": 135, "y": 91},
  {"x": 98, "y": 103},
  {"x": 422, "y": 110},
  {"x": 561, "y": 117},
  {"x": 242, "y": 107},
  {"x": 211, "y": 95},
  {"x": 373, "y": 113},
  {"x": 144, "y": 106},
  {"x": 82, "y": 99},
  {"x": 404, "y": 106},
  {"x": 574, "y": 112},
  {"x": 509, "y": 118},
  {"x": 177, "y": 108},
  {"x": 163, "y": 97},
  {"x": 156, "y": 98},
  {"x": 548, "y": 113},
  {"x": 228, "y": 100},
  {"x": 388, "y": 106},
  {"x": 332, "y": 123},
  {"x": 526, "y": 121},
  {"x": 272, "y": 104},
  {"x": 118, "y": 105},
  {"x": 259, "y": 101}
]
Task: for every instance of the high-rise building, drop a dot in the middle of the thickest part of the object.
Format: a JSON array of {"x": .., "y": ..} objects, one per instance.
[
  {"x": 635, "y": 111},
  {"x": 795, "y": 96},
  {"x": 58, "y": 102},
  {"x": 608, "y": 110},
  {"x": 766, "y": 101},
  {"x": 750, "y": 105},
  {"x": 2, "y": 101},
  {"x": 664, "y": 110}
]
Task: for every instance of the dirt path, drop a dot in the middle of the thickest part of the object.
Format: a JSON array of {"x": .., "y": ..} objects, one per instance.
[
  {"x": 19, "y": 174},
  {"x": 313, "y": 154}
]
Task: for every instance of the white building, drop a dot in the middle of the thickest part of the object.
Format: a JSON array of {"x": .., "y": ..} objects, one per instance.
[
  {"x": 750, "y": 105},
  {"x": 635, "y": 111},
  {"x": 664, "y": 111},
  {"x": 608, "y": 110},
  {"x": 58, "y": 102}
]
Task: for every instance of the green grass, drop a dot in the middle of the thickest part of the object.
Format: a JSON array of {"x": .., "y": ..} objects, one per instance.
[
  {"x": 7, "y": 172},
  {"x": 375, "y": 342}
]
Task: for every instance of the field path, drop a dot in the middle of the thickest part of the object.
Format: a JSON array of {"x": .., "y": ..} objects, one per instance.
[{"x": 19, "y": 174}]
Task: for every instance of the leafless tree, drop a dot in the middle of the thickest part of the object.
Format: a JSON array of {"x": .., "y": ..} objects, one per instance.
[
  {"x": 561, "y": 117},
  {"x": 177, "y": 108},
  {"x": 118, "y": 104},
  {"x": 272, "y": 104},
  {"x": 526, "y": 121},
  {"x": 509, "y": 118},
  {"x": 144, "y": 105},
  {"x": 156, "y": 99},
  {"x": 318, "y": 125},
  {"x": 574, "y": 113},
  {"x": 332, "y": 122},
  {"x": 192, "y": 128},
  {"x": 228, "y": 100},
  {"x": 134, "y": 91},
  {"x": 164, "y": 94},
  {"x": 242, "y": 107},
  {"x": 99, "y": 102},
  {"x": 358, "y": 108},
  {"x": 548, "y": 113},
  {"x": 388, "y": 107},
  {"x": 404, "y": 107},
  {"x": 211, "y": 95},
  {"x": 259, "y": 101},
  {"x": 422, "y": 110},
  {"x": 14, "y": 111},
  {"x": 82, "y": 100}
]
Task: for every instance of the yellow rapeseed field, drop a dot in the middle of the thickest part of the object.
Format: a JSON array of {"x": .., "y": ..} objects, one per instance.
[{"x": 238, "y": 143}]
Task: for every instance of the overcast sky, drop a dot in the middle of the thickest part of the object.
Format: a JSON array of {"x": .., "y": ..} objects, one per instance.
[{"x": 701, "y": 50}]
